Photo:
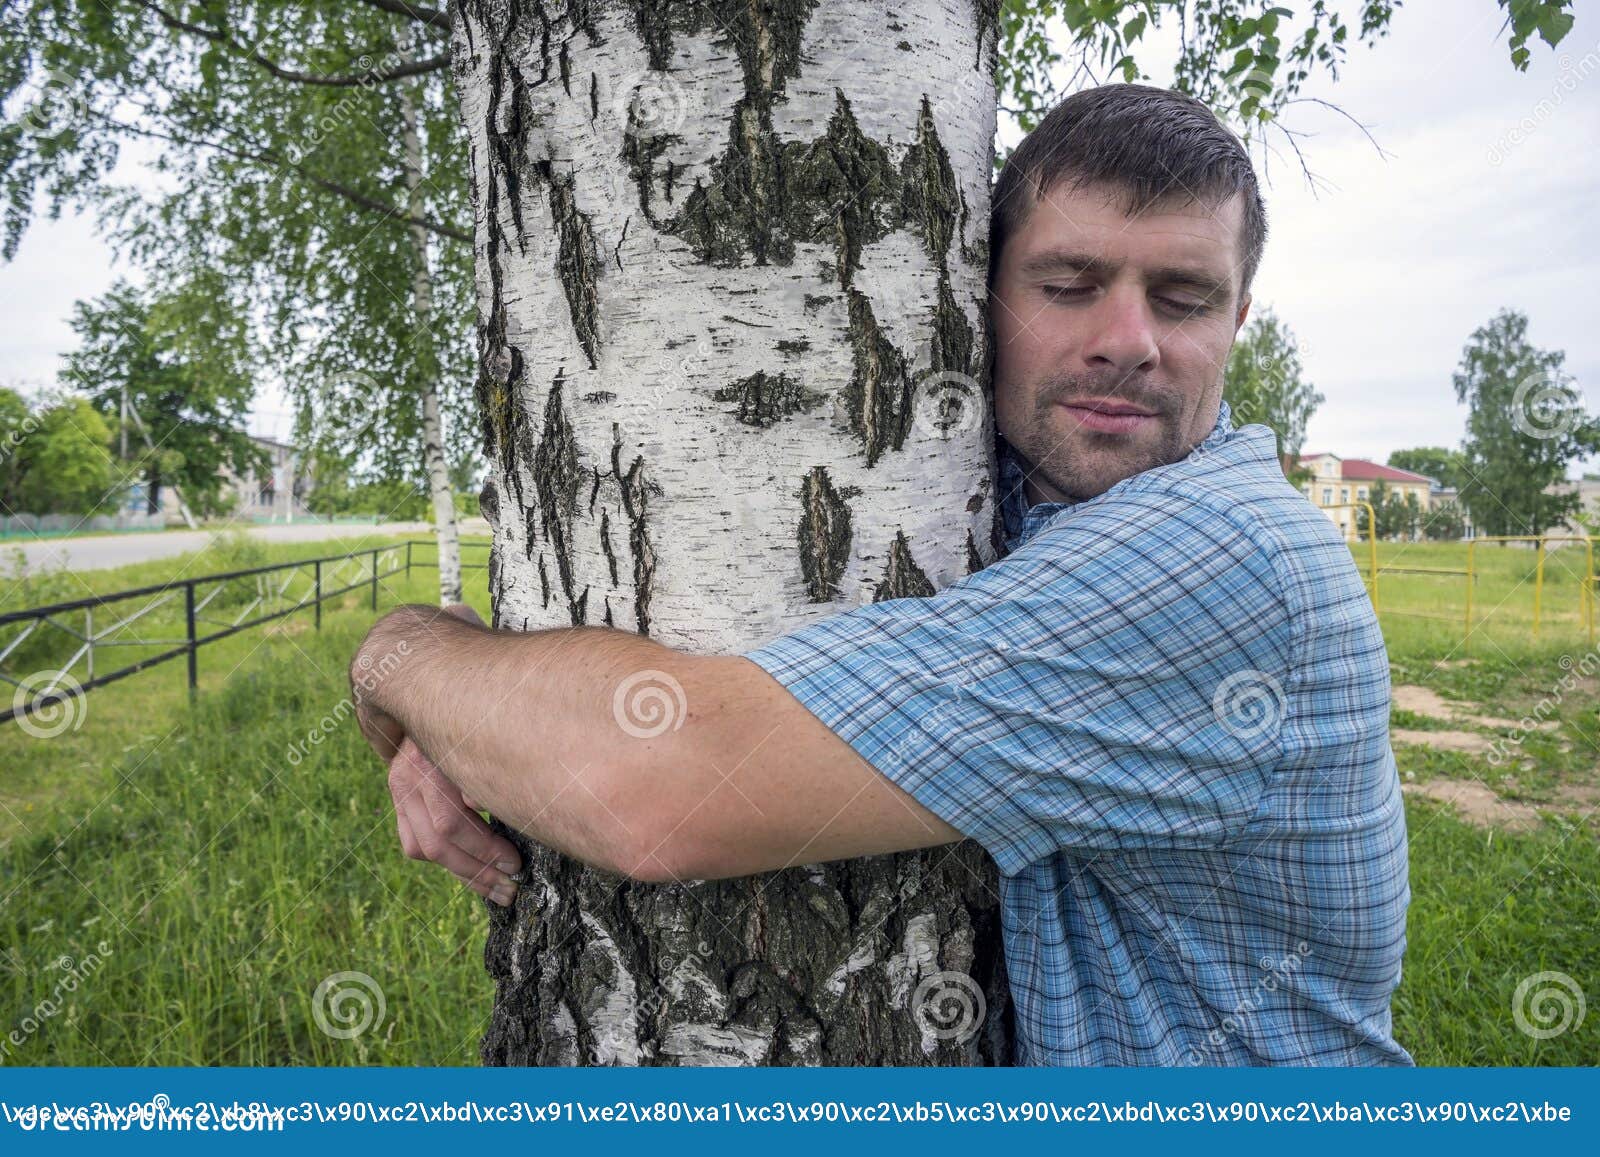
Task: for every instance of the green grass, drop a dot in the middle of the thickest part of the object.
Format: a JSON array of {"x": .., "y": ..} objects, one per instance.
[
  {"x": 1425, "y": 607},
  {"x": 227, "y": 876},
  {"x": 228, "y": 880}
]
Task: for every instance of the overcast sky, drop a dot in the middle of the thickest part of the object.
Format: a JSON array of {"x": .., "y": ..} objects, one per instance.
[{"x": 1485, "y": 197}]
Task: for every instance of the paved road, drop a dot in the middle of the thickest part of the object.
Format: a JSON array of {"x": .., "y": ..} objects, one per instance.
[{"x": 94, "y": 552}]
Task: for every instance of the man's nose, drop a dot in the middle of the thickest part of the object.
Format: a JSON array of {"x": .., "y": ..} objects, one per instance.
[{"x": 1122, "y": 337}]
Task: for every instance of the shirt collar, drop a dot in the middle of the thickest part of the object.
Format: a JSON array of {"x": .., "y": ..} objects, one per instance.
[{"x": 1022, "y": 521}]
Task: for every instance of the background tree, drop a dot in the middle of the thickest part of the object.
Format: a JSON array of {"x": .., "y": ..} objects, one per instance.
[
  {"x": 308, "y": 154},
  {"x": 181, "y": 362},
  {"x": 1446, "y": 467},
  {"x": 1525, "y": 425},
  {"x": 54, "y": 457},
  {"x": 1248, "y": 59},
  {"x": 1445, "y": 522},
  {"x": 1264, "y": 382}
]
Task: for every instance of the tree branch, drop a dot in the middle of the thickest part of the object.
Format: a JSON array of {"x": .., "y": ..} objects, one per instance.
[
  {"x": 372, "y": 76},
  {"x": 276, "y": 161},
  {"x": 429, "y": 16}
]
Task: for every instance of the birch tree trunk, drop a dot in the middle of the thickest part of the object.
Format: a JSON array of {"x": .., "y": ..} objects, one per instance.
[
  {"x": 433, "y": 460},
  {"x": 731, "y": 266}
]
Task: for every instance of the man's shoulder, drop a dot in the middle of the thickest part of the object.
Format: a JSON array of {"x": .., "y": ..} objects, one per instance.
[{"x": 1239, "y": 479}]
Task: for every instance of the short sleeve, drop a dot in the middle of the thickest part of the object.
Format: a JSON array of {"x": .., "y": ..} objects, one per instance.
[{"x": 1119, "y": 682}]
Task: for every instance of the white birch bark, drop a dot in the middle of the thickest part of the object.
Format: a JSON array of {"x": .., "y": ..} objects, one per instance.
[
  {"x": 443, "y": 497},
  {"x": 731, "y": 266}
]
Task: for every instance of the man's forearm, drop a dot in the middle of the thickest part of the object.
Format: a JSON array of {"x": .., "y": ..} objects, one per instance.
[
  {"x": 522, "y": 723},
  {"x": 632, "y": 756}
]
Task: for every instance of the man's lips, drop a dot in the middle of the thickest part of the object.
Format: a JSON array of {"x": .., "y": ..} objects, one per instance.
[{"x": 1108, "y": 415}]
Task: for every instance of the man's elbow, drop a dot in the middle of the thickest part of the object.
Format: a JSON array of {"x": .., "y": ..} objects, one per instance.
[{"x": 661, "y": 850}]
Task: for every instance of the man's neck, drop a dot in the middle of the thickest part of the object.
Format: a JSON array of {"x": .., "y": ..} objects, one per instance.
[{"x": 1036, "y": 490}]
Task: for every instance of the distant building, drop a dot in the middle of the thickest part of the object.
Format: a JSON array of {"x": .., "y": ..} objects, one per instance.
[
  {"x": 277, "y": 494},
  {"x": 1588, "y": 492},
  {"x": 1337, "y": 484}
]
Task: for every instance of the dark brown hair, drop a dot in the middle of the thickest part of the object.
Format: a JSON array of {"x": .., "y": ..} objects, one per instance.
[{"x": 1152, "y": 145}]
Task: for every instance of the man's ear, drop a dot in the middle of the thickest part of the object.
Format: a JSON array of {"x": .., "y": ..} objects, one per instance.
[{"x": 1244, "y": 312}]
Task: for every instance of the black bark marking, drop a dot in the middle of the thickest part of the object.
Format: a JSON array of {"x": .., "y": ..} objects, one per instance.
[
  {"x": 641, "y": 148},
  {"x": 556, "y": 478},
  {"x": 974, "y": 559},
  {"x": 843, "y": 189},
  {"x": 577, "y": 261},
  {"x": 496, "y": 592},
  {"x": 824, "y": 535},
  {"x": 651, "y": 20},
  {"x": 765, "y": 401},
  {"x": 902, "y": 578},
  {"x": 988, "y": 18},
  {"x": 636, "y": 491},
  {"x": 930, "y": 200},
  {"x": 489, "y": 500},
  {"x": 878, "y": 398},
  {"x": 606, "y": 548},
  {"x": 951, "y": 341},
  {"x": 501, "y": 377}
]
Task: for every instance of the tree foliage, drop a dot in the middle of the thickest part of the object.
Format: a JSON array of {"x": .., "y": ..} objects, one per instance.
[
  {"x": 1446, "y": 467},
  {"x": 182, "y": 360},
  {"x": 1399, "y": 515},
  {"x": 1247, "y": 59},
  {"x": 1526, "y": 424},
  {"x": 273, "y": 158},
  {"x": 1264, "y": 382},
  {"x": 54, "y": 457}
]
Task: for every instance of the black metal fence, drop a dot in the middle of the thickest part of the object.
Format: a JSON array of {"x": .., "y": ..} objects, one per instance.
[{"x": 202, "y": 621}]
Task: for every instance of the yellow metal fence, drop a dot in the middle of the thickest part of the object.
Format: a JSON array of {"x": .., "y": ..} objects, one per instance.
[{"x": 1470, "y": 616}]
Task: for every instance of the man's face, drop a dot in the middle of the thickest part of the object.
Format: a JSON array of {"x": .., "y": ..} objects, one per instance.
[{"x": 1111, "y": 334}]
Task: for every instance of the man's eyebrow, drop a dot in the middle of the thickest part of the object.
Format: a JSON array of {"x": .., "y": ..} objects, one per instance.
[{"x": 1069, "y": 261}]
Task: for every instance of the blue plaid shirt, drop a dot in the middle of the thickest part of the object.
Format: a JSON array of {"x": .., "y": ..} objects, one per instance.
[{"x": 1165, "y": 715}]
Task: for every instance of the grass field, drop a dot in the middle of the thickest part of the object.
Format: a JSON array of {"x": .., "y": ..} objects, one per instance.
[{"x": 227, "y": 880}]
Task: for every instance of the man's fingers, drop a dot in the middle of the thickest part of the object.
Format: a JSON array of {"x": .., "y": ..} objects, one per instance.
[
  {"x": 484, "y": 879},
  {"x": 445, "y": 832},
  {"x": 457, "y": 822},
  {"x": 408, "y": 840}
]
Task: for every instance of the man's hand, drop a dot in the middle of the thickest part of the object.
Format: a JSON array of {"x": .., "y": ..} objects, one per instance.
[
  {"x": 437, "y": 824},
  {"x": 435, "y": 821}
]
